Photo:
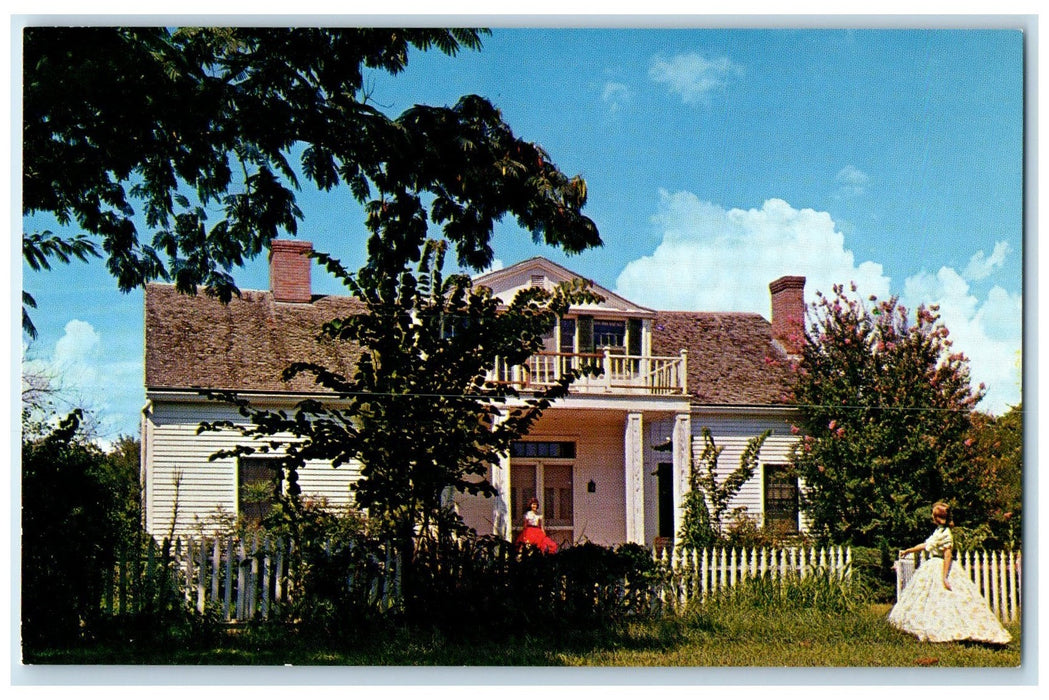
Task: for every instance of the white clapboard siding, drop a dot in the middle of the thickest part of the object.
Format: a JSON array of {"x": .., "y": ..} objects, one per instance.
[
  {"x": 997, "y": 575},
  {"x": 186, "y": 492},
  {"x": 732, "y": 432}
]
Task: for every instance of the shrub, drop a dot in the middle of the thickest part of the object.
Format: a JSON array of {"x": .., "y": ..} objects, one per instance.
[
  {"x": 458, "y": 582},
  {"x": 872, "y": 568},
  {"x": 73, "y": 522}
]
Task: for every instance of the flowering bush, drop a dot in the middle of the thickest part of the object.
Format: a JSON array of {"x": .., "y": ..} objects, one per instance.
[{"x": 886, "y": 407}]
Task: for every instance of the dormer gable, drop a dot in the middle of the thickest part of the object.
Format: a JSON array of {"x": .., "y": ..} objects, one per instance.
[{"x": 508, "y": 281}]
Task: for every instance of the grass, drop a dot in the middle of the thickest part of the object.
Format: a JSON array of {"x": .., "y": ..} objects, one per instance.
[{"x": 728, "y": 635}]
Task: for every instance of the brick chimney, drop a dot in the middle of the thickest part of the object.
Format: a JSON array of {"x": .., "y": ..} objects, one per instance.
[
  {"x": 290, "y": 271},
  {"x": 788, "y": 313}
]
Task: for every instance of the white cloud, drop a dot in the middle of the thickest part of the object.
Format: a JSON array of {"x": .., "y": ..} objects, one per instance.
[
  {"x": 980, "y": 266},
  {"x": 988, "y": 330},
  {"x": 692, "y": 76},
  {"x": 76, "y": 353},
  {"x": 716, "y": 259},
  {"x": 89, "y": 378},
  {"x": 852, "y": 182},
  {"x": 615, "y": 95}
]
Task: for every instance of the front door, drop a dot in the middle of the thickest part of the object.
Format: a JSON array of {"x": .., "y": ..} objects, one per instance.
[{"x": 552, "y": 483}]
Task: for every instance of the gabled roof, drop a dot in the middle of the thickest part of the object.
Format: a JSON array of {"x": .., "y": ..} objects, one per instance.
[
  {"x": 505, "y": 283},
  {"x": 198, "y": 342},
  {"x": 732, "y": 359}
]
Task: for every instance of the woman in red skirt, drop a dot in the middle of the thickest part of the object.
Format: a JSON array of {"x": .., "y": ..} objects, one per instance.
[{"x": 533, "y": 533}]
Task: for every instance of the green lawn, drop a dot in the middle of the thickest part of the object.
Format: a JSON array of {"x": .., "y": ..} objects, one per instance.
[{"x": 731, "y": 637}]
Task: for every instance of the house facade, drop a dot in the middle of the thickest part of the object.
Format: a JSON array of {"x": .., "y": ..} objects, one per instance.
[{"x": 608, "y": 463}]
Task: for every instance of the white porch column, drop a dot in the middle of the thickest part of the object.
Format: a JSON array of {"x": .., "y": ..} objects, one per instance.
[
  {"x": 682, "y": 446},
  {"x": 501, "y": 522},
  {"x": 634, "y": 465}
]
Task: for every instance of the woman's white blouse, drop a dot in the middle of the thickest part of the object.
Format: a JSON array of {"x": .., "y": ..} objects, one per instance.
[{"x": 938, "y": 541}]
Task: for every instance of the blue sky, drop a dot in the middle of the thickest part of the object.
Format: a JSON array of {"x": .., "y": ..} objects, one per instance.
[{"x": 716, "y": 161}]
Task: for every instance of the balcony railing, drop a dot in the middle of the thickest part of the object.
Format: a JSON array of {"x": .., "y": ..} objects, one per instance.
[{"x": 619, "y": 374}]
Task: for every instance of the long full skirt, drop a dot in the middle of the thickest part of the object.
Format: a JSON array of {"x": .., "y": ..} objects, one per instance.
[
  {"x": 932, "y": 613},
  {"x": 536, "y": 537}
]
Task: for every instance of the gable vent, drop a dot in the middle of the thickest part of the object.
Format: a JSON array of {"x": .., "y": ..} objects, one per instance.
[{"x": 538, "y": 280}]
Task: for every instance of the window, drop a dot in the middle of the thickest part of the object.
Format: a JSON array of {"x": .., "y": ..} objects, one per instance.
[
  {"x": 610, "y": 334},
  {"x": 258, "y": 480},
  {"x": 453, "y": 324},
  {"x": 781, "y": 498},
  {"x": 549, "y": 450},
  {"x": 522, "y": 490}
]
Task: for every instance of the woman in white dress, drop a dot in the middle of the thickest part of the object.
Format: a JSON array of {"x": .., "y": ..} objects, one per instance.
[{"x": 941, "y": 603}]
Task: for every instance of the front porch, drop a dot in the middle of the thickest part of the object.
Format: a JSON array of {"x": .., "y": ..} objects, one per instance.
[{"x": 595, "y": 472}]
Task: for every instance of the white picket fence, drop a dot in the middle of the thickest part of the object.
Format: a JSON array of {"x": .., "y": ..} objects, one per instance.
[
  {"x": 696, "y": 573},
  {"x": 238, "y": 579},
  {"x": 243, "y": 580},
  {"x": 997, "y": 574}
]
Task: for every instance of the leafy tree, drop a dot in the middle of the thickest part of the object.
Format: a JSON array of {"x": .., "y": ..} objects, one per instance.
[
  {"x": 709, "y": 496},
  {"x": 79, "y": 506},
  {"x": 996, "y": 445},
  {"x": 885, "y": 410},
  {"x": 37, "y": 250},
  {"x": 420, "y": 414},
  {"x": 123, "y": 125}
]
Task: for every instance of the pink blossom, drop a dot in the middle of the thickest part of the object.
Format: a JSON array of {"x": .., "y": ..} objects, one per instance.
[
  {"x": 794, "y": 430},
  {"x": 832, "y": 425}
]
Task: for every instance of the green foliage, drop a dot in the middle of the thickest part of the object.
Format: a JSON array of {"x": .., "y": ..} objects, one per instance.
[
  {"x": 196, "y": 130},
  {"x": 768, "y": 594},
  {"x": 514, "y": 590},
  {"x": 709, "y": 496},
  {"x": 996, "y": 448},
  {"x": 697, "y": 532},
  {"x": 744, "y": 530},
  {"x": 873, "y": 568},
  {"x": 37, "y": 250},
  {"x": 420, "y": 414},
  {"x": 885, "y": 409},
  {"x": 79, "y": 509}
]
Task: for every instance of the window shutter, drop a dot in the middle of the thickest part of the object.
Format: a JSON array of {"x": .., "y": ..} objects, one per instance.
[
  {"x": 585, "y": 325},
  {"x": 633, "y": 332}
]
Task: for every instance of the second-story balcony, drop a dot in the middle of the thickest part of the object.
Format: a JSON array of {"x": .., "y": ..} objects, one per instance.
[{"x": 645, "y": 375}]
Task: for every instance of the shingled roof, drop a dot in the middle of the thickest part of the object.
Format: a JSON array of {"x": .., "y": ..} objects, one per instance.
[
  {"x": 732, "y": 359},
  {"x": 196, "y": 342}
]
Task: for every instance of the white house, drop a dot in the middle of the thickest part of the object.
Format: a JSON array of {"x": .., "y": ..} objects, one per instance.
[{"x": 591, "y": 458}]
